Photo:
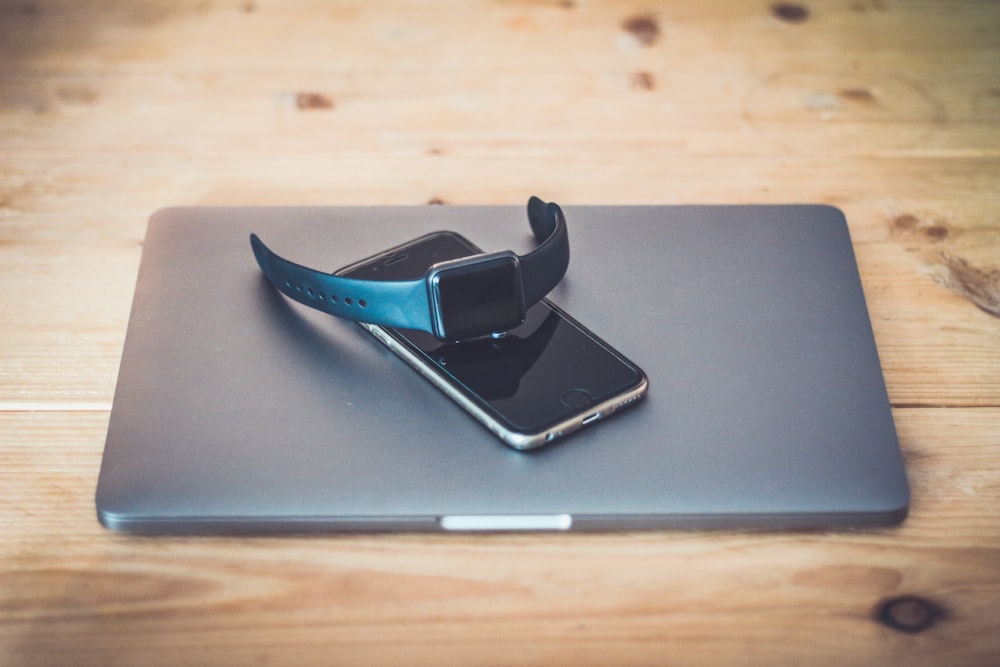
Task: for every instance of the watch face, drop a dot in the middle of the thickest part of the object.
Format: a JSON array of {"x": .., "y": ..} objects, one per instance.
[{"x": 477, "y": 296}]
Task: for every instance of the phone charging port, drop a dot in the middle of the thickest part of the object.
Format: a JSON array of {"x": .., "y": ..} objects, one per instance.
[{"x": 591, "y": 418}]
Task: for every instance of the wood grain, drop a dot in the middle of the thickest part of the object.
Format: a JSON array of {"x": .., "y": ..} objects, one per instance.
[
  {"x": 587, "y": 599},
  {"x": 888, "y": 110}
]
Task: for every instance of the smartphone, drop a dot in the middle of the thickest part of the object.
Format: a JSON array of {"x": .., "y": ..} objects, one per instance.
[{"x": 533, "y": 385}]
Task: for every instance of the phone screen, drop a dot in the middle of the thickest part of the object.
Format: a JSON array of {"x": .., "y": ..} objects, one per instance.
[{"x": 545, "y": 377}]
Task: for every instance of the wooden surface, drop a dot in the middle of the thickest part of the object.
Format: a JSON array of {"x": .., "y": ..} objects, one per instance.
[{"x": 885, "y": 108}]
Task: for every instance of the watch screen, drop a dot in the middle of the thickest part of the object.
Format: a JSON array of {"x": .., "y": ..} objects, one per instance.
[{"x": 479, "y": 299}]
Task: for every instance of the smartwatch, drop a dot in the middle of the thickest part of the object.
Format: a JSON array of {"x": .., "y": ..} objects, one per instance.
[{"x": 455, "y": 300}]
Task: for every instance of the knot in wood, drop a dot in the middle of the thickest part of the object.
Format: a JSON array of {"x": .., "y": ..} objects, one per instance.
[{"x": 909, "y": 613}]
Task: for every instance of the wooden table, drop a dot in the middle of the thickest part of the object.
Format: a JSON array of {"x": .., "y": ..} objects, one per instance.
[{"x": 887, "y": 109}]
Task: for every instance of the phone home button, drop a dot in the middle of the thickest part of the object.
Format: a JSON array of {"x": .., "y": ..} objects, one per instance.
[{"x": 577, "y": 398}]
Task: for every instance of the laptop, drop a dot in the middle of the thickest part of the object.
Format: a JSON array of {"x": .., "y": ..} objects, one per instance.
[{"x": 239, "y": 411}]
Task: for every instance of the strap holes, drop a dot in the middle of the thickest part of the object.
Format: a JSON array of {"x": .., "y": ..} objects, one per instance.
[
  {"x": 333, "y": 298},
  {"x": 310, "y": 291},
  {"x": 362, "y": 303},
  {"x": 349, "y": 301},
  {"x": 322, "y": 297},
  {"x": 298, "y": 288}
]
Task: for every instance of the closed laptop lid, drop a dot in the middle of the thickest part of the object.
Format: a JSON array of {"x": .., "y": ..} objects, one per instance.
[{"x": 238, "y": 410}]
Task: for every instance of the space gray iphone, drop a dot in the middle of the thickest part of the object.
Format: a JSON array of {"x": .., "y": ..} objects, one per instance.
[{"x": 537, "y": 383}]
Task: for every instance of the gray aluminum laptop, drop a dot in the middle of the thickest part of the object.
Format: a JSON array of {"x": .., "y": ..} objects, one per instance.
[{"x": 240, "y": 411}]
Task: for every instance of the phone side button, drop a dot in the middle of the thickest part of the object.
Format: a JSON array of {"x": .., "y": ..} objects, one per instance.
[{"x": 497, "y": 522}]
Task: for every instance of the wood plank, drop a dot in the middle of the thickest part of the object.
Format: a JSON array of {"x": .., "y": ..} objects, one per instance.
[
  {"x": 73, "y": 593},
  {"x": 694, "y": 83},
  {"x": 113, "y": 31},
  {"x": 71, "y": 237},
  {"x": 794, "y": 114},
  {"x": 577, "y": 113}
]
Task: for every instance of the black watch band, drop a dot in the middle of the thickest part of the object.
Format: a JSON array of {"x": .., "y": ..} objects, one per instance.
[{"x": 455, "y": 300}]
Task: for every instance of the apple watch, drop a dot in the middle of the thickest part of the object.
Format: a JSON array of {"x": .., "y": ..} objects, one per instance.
[{"x": 455, "y": 300}]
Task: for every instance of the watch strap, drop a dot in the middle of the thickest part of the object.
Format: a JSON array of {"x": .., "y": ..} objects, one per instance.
[
  {"x": 406, "y": 304},
  {"x": 545, "y": 266},
  {"x": 396, "y": 303}
]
